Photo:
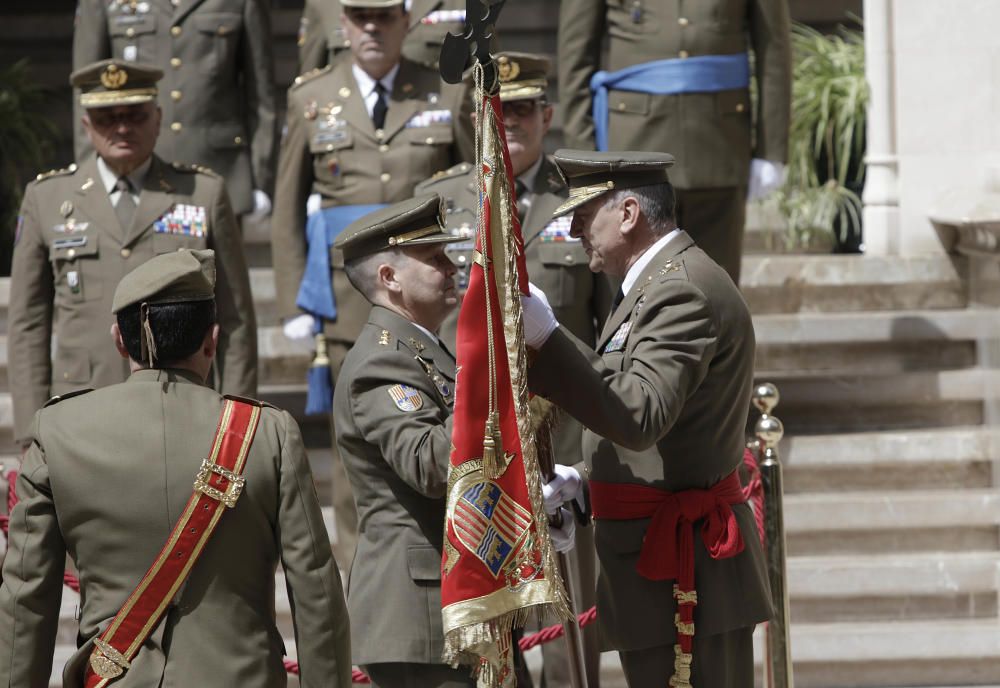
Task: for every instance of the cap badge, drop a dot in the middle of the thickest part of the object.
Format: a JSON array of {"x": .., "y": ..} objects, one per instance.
[
  {"x": 508, "y": 69},
  {"x": 113, "y": 77}
]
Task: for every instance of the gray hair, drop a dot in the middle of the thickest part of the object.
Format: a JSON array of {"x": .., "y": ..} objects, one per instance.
[
  {"x": 361, "y": 272},
  {"x": 656, "y": 201}
]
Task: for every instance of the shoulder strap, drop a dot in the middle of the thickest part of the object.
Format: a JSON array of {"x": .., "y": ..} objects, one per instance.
[{"x": 216, "y": 488}]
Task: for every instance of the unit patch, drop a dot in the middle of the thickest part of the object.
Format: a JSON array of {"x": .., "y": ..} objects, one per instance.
[
  {"x": 186, "y": 220},
  {"x": 406, "y": 398}
]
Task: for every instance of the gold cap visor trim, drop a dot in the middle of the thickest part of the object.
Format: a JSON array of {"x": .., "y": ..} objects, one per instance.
[
  {"x": 111, "y": 98},
  {"x": 522, "y": 90},
  {"x": 427, "y": 235},
  {"x": 580, "y": 195}
]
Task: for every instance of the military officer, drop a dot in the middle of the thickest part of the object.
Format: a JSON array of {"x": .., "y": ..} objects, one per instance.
[
  {"x": 674, "y": 366},
  {"x": 678, "y": 80},
  {"x": 556, "y": 262},
  {"x": 361, "y": 133},
  {"x": 392, "y": 409},
  {"x": 106, "y": 480},
  {"x": 322, "y": 37},
  {"x": 81, "y": 229},
  {"x": 217, "y": 97}
]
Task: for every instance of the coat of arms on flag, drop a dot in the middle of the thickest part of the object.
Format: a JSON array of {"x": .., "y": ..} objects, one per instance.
[{"x": 490, "y": 524}]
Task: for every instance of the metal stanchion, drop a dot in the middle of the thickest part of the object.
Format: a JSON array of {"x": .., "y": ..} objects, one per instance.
[{"x": 778, "y": 664}]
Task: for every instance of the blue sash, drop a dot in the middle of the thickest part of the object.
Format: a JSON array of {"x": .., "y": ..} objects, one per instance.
[
  {"x": 703, "y": 74},
  {"x": 316, "y": 290}
]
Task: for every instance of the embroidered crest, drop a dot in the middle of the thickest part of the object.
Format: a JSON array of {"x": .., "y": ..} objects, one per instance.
[
  {"x": 113, "y": 78},
  {"x": 490, "y": 524},
  {"x": 182, "y": 219},
  {"x": 617, "y": 341},
  {"x": 406, "y": 398}
]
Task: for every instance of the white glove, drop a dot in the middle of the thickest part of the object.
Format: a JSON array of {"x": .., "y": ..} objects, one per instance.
[
  {"x": 313, "y": 203},
  {"x": 539, "y": 320},
  {"x": 765, "y": 177},
  {"x": 261, "y": 206},
  {"x": 564, "y": 537},
  {"x": 565, "y": 485},
  {"x": 300, "y": 327}
]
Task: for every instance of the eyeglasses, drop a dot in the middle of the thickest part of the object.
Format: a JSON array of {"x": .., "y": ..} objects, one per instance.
[
  {"x": 132, "y": 116},
  {"x": 520, "y": 108}
]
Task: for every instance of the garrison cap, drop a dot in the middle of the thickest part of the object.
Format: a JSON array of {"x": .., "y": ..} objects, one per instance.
[
  {"x": 370, "y": 3},
  {"x": 522, "y": 75},
  {"x": 590, "y": 174},
  {"x": 115, "y": 82},
  {"x": 184, "y": 275},
  {"x": 414, "y": 221}
]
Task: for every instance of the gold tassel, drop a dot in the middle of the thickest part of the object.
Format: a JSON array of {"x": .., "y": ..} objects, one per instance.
[
  {"x": 682, "y": 669},
  {"x": 146, "y": 340},
  {"x": 322, "y": 357},
  {"x": 493, "y": 464}
]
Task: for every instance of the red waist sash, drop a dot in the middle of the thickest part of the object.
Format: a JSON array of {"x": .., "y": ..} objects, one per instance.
[{"x": 668, "y": 547}]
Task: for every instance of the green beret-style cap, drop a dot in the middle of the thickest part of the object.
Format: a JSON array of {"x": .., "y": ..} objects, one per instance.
[
  {"x": 414, "y": 221},
  {"x": 115, "y": 82},
  {"x": 183, "y": 275},
  {"x": 522, "y": 75},
  {"x": 590, "y": 174}
]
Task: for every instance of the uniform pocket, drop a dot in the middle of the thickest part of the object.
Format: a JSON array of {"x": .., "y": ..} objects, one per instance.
[
  {"x": 168, "y": 243},
  {"x": 430, "y": 136},
  {"x": 223, "y": 30},
  {"x": 71, "y": 366},
  {"x": 75, "y": 268},
  {"x": 566, "y": 267},
  {"x": 423, "y": 563},
  {"x": 629, "y": 102},
  {"x": 326, "y": 147},
  {"x": 227, "y": 135}
]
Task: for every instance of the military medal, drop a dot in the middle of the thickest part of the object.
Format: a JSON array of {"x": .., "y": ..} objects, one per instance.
[{"x": 311, "y": 109}]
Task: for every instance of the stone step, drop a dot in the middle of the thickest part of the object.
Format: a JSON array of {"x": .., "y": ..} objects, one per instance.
[
  {"x": 867, "y": 523},
  {"x": 939, "y": 459}
]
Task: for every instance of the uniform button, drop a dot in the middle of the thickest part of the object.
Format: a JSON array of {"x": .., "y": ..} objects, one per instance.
[
  {"x": 384, "y": 148},
  {"x": 462, "y": 259},
  {"x": 385, "y": 177},
  {"x": 569, "y": 258},
  {"x": 130, "y": 32},
  {"x": 126, "y": 252},
  {"x": 683, "y": 54},
  {"x": 238, "y": 140},
  {"x": 176, "y": 126},
  {"x": 622, "y": 106},
  {"x": 65, "y": 376},
  {"x": 71, "y": 253},
  {"x": 740, "y": 107},
  {"x": 175, "y": 31},
  {"x": 683, "y": 21},
  {"x": 429, "y": 140},
  {"x": 175, "y": 62},
  {"x": 329, "y": 147},
  {"x": 175, "y": 95}
]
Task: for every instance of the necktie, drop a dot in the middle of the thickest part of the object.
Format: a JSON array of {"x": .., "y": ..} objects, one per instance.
[
  {"x": 381, "y": 106},
  {"x": 619, "y": 297},
  {"x": 125, "y": 207},
  {"x": 522, "y": 201}
]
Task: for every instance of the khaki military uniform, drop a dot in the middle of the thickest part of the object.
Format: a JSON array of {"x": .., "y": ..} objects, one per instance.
[
  {"x": 712, "y": 135},
  {"x": 217, "y": 93},
  {"x": 70, "y": 255},
  {"x": 676, "y": 360},
  {"x": 392, "y": 407},
  {"x": 580, "y": 299},
  {"x": 106, "y": 477},
  {"x": 322, "y": 38}
]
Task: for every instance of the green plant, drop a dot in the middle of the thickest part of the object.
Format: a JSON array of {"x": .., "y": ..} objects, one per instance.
[
  {"x": 25, "y": 143},
  {"x": 827, "y": 136}
]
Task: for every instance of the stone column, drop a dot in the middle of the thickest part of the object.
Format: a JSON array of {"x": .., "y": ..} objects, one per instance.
[{"x": 881, "y": 194}]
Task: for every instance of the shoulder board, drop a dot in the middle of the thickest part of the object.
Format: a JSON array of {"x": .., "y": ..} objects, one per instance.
[
  {"x": 41, "y": 176},
  {"x": 68, "y": 395},
  {"x": 456, "y": 171},
  {"x": 248, "y": 400},
  {"x": 310, "y": 75},
  {"x": 193, "y": 169}
]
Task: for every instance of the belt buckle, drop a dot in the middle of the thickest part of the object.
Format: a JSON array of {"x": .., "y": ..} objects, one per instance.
[
  {"x": 233, "y": 490},
  {"x": 106, "y": 661}
]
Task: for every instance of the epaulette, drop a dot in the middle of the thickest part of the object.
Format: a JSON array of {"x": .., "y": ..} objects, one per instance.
[
  {"x": 248, "y": 400},
  {"x": 309, "y": 76},
  {"x": 193, "y": 169},
  {"x": 68, "y": 395},
  {"x": 41, "y": 176},
  {"x": 454, "y": 171}
]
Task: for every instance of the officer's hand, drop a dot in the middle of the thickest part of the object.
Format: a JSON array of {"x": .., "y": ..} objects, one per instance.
[
  {"x": 261, "y": 205},
  {"x": 300, "y": 327},
  {"x": 765, "y": 177},
  {"x": 539, "y": 320},
  {"x": 564, "y": 537},
  {"x": 566, "y": 485}
]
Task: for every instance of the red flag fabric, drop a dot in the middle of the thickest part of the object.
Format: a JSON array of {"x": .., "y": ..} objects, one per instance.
[{"x": 498, "y": 563}]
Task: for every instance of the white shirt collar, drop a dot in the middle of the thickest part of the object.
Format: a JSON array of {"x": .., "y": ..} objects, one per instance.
[
  {"x": 645, "y": 259},
  {"x": 529, "y": 175},
  {"x": 109, "y": 178},
  {"x": 366, "y": 84},
  {"x": 430, "y": 335}
]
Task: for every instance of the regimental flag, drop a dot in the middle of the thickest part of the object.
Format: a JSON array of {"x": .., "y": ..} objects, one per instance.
[{"x": 499, "y": 564}]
